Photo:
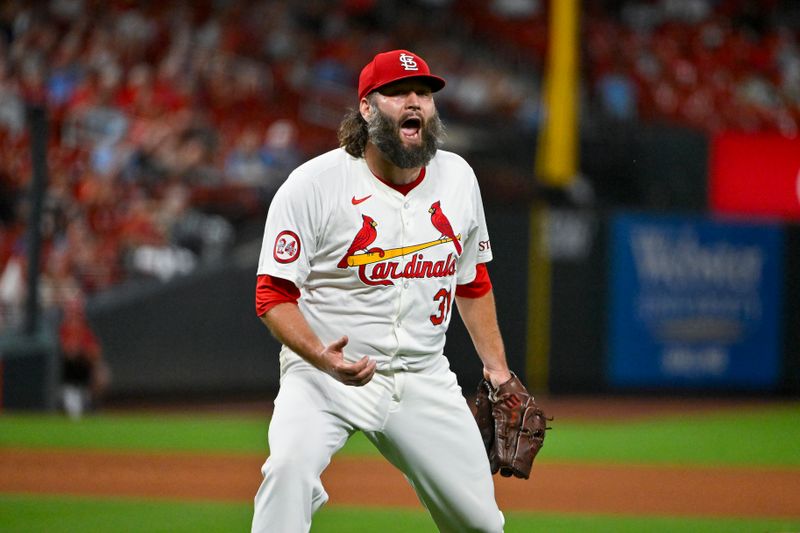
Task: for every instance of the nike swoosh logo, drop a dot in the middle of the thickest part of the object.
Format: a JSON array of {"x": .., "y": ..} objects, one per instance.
[{"x": 359, "y": 200}]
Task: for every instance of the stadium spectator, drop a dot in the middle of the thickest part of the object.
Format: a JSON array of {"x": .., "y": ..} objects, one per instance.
[
  {"x": 246, "y": 164},
  {"x": 84, "y": 374},
  {"x": 281, "y": 151},
  {"x": 174, "y": 111}
]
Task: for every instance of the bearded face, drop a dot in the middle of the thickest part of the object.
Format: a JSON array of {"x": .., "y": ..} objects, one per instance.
[{"x": 385, "y": 134}]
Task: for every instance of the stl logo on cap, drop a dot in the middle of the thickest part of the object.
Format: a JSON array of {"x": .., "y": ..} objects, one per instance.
[
  {"x": 408, "y": 62},
  {"x": 392, "y": 66}
]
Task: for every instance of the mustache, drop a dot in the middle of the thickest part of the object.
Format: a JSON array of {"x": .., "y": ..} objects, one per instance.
[
  {"x": 385, "y": 134},
  {"x": 431, "y": 126},
  {"x": 411, "y": 115}
]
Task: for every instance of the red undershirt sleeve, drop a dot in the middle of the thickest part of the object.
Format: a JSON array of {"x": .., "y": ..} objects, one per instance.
[
  {"x": 271, "y": 291},
  {"x": 478, "y": 286}
]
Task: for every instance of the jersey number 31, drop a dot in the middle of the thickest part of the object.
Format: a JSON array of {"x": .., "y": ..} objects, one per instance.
[{"x": 445, "y": 299}]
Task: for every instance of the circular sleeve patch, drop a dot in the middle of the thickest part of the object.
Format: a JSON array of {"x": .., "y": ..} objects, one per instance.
[{"x": 287, "y": 247}]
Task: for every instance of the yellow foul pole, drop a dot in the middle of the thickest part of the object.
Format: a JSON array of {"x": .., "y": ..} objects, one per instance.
[
  {"x": 556, "y": 156},
  {"x": 556, "y": 167}
]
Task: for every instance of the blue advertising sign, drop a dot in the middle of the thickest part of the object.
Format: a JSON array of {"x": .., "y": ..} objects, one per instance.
[{"x": 695, "y": 302}]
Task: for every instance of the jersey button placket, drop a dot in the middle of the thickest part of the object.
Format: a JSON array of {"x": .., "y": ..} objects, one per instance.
[{"x": 401, "y": 284}]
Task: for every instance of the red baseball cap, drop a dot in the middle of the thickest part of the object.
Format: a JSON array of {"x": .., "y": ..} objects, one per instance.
[{"x": 388, "y": 67}]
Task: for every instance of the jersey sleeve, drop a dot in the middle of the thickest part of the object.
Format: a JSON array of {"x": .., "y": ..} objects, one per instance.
[
  {"x": 478, "y": 286},
  {"x": 271, "y": 291},
  {"x": 289, "y": 241},
  {"x": 477, "y": 247}
]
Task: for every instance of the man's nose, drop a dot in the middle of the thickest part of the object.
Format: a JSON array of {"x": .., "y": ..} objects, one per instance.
[{"x": 412, "y": 100}]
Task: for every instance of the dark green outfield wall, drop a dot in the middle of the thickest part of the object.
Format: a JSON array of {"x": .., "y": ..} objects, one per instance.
[{"x": 199, "y": 334}]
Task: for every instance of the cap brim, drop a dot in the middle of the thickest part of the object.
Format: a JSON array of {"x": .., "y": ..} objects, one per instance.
[{"x": 434, "y": 82}]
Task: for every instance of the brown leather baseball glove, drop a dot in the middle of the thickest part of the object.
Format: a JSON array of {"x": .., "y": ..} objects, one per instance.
[{"x": 513, "y": 427}]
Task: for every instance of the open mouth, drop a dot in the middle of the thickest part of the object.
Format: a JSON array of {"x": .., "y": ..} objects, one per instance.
[{"x": 410, "y": 127}]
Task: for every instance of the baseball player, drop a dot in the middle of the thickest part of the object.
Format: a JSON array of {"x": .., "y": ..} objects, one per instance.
[{"x": 365, "y": 250}]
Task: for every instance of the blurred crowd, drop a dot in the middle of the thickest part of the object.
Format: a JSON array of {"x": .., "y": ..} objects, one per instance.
[
  {"x": 171, "y": 124},
  {"x": 709, "y": 64}
]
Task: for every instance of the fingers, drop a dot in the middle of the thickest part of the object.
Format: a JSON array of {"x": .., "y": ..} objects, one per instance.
[
  {"x": 357, "y": 374},
  {"x": 369, "y": 370}
]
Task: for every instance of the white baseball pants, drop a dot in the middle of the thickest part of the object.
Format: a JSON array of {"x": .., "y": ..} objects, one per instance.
[{"x": 418, "y": 420}]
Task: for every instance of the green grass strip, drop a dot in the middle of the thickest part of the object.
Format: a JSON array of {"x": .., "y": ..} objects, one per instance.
[
  {"x": 147, "y": 433},
  {"x": 67, "y": 514},
  {"x": 759, "y": 437},
  {"x": 562, "y": 523},
  {"x": 157, "y": 432},
  {"x": 57, "y": 514}
]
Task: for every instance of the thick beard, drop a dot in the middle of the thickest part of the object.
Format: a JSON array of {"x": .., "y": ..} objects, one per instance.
[{"x": 385, "y": 135}]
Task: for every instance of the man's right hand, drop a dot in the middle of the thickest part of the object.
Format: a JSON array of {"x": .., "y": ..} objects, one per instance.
[
  {"x": 333, "y": 363},
  {"x": 287, "y": 324}
]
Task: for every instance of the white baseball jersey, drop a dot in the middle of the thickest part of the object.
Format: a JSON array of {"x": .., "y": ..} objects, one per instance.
[{"x": 374, "y": 264}]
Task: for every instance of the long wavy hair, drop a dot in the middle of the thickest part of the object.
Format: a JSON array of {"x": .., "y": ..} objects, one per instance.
[{"x": 353, "y": 133}]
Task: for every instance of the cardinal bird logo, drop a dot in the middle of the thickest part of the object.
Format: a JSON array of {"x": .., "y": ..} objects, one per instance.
[
  {"x": 440, "y": 222},
  {"x": 365, "y": 236}
]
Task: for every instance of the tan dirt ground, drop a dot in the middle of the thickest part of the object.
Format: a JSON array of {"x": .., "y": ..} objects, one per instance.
[
  {"x": 556, "y": 487},
  {"x": 559, "y": 487}
]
